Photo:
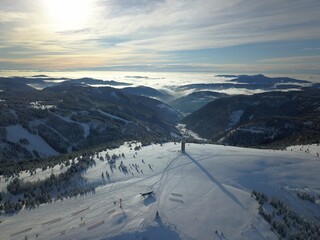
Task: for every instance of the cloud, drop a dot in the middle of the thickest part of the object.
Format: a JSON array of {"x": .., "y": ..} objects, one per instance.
[
  {"x": 201, "y": 25},
  {"x": 295, "y": 59},
  {"x": 312, "y": 49},
  {"x": 122, "y": 33},
  {"x": 7, "y": 17}
]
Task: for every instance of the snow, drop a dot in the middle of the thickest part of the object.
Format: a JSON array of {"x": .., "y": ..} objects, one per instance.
[
  {"x": 253, "y": 130},
  {"x": 39, "y": 174},
  {"x": 196, "y": 193},
  {"x": 16, "y": 132},
  {"x": 86, "y": 129},
  {"x": 235, "y": 117},
  {"x": 187, "y": 132},
  {"x": 41, "y": 105},
  {"x": 114, "y": 117},
  {"x": 313, "y": 149}
]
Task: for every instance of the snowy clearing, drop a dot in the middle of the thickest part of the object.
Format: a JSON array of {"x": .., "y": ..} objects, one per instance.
[
  {"x": 16, "y": 132},
  {"x": 313, "y": 149}
]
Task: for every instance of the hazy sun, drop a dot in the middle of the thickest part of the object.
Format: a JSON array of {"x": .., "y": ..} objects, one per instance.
[{"x": 68, "y": 14}]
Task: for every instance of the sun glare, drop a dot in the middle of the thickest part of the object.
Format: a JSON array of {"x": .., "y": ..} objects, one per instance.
[{"x": 68, "y": 14}]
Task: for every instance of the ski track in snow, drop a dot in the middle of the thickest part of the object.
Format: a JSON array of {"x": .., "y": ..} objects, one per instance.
[{"x": 196, "y": 193}]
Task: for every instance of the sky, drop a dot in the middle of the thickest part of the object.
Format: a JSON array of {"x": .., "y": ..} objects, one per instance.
[{"x": 247, "y": 36}]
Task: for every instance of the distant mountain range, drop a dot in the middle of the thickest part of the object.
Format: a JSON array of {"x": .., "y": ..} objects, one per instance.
[
  {"x": 148, "y": 92},
  {"x": 43, "y": 116},
  {"x": 43, "y": 81},
  {"x": 254, "y": 82}
]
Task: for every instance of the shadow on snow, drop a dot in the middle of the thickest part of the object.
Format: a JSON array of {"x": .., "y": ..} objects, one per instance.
[{"x": 215, "y": 181}]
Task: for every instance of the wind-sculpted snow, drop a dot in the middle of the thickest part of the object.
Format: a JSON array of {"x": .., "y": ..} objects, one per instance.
[{"x": 204, "y": 193}]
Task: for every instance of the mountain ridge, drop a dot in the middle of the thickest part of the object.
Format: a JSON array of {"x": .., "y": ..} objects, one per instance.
[
  {"x": 71, "y": 115},
  {"x": 266, "y": 119}
]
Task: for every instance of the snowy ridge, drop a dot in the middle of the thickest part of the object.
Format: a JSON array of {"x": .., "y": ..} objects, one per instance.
[{"x": 204, "y": 193}]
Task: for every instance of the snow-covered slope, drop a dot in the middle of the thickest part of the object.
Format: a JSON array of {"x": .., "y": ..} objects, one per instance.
[
  {"x": 34, "y": 142},
  {"x": 313, "y": 149},
  {"x": 204, "y": 193}
]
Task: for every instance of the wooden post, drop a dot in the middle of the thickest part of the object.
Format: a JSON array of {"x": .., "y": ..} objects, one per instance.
[{"x": 183, "y": 145}]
